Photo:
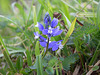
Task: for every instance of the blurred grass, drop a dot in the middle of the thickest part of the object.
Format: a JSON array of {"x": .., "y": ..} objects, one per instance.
[{"x": 5, "y": 7}]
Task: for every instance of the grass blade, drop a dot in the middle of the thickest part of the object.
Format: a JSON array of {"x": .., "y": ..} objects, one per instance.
[
  {"x": 35, "y": 19},
  {"x": 6, "y": 55},
  {"x": 69, "y": 5},
  {"x": 19, "y": 63},
  {"x": 37, "y": 51},
  {"x": 98, "y": 15},
  {"x": 39, "y": 65},
  {"x": 68, "y": 22},
  {"x": 69, "y": 32},
  {"x": 29, "y": 60}
]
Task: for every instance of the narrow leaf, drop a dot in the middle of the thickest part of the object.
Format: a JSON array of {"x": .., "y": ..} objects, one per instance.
[
  {"x": 69, "y": 32},
  {"x": 29, "y": 60},
  {"x": 37, "y": 51},
  {"x": 68, "y": 22},
  {"x": 1, "y": 41},
  {"x": 95, "y": 68},
  {"x": 39, "y": 65},
  {"x": 35, "y": 19},
  {"x": 19, "y": 63},
  {"x": 50, "y": 70},
  {"x": 21, "y": 11},
  {"x": 98, "y": 15},
  {"x": 9, "y": 61},
  {"x": 69, "y": 5}
]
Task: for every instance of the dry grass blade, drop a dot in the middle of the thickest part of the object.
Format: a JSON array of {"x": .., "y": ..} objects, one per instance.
[{"x": 76, "y": 71}]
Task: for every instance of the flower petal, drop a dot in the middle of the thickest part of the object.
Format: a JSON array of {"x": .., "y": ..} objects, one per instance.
[
  {"x": 57, "y": 33},
  {"x": 42, "y": 39},
  {"x": 40, "y": 26},
  {"x": 36, "y": 35},
  {"x": 54, "y": 22},
  {"x": 54, "y": 48},
  {"x": 51, "y": 44},
  {"x": 45, "y": 31},
  {"x": 59, "y": 41},
  {"x": 43, "y": 44}
]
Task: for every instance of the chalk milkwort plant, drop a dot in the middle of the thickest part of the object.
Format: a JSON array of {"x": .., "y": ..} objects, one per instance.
[
  {"x": 45, "y": 62},
  {"x": 50, "y": 31}
]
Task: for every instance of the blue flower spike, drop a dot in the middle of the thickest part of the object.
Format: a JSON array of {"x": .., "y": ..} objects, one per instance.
[
  {"x": 47, "y": 20},
  {"x": 50, "y": 30}
]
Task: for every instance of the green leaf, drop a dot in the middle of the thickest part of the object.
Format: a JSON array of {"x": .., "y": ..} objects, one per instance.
[
  {"x": 69, "y": 60},
  {"x": 87, "y": 29},
  {"x": 13, "y": 51},
  {"x": 39, "y": 65},
  {"x": 29, "y": 60},
  {"x": 6, "y": 55},
  {"x": 33, "y": 66},
  {"x": 37, "y": 51},
  {"x": 1, "y": 41},
  {"x": 25, "y": 71},
  {"x": 45, "y": 5},
  {"x": 51, "y": 63},
  {"x": 17, "y": 26},
  {"x": 19, "y": 63},
  {"x": 95, "y": 68},
  {"x": 2, "y": 72},
  {"x": 68, "y": 22},
  {"x": 71, "y": 29},
  {"x": 21, "y": 11},
  {"x": 57, "y": 70},
  {"x": 65, "y": 10},
  {"x": 41, "y": 2},
  {"x": 34, "y": 15},
  {"x": 98, "y": 15},
  {"x": 69, "y": 5},
  {"x": 35, "y": 19},
  {"x": 50, "y": 70},
  {"x": 9, "y": 61},
  {"x": 39, "y": 13}
]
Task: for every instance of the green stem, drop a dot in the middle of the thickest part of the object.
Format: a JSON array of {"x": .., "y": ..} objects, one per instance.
[
  {"x": 95, "y": 55},
  {"x": 46, "y": 49},
  {"x": 81, "y": 61},
  {"x": 35, "y": 60},
  {"x": 56, "y": 70}
]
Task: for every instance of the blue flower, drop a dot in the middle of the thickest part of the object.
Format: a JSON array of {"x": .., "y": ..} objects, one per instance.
[
  {"x": 49, "y": 26},
  {"x": 50, "y": 30},
  {"x": 43, "y": 42},
  {"x": 55, "y": 45}
]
